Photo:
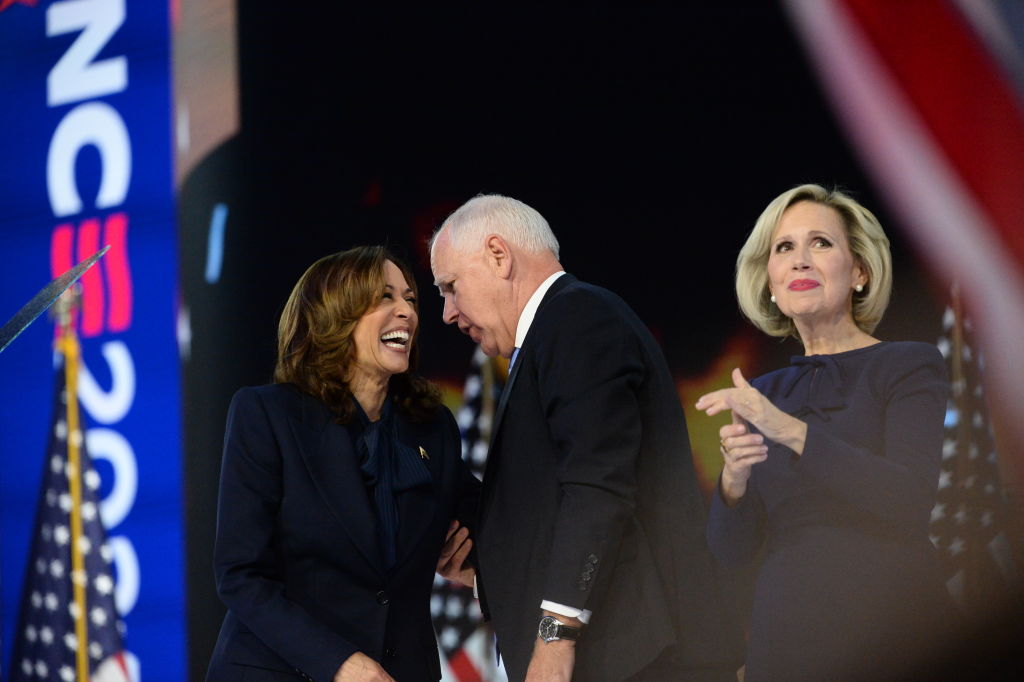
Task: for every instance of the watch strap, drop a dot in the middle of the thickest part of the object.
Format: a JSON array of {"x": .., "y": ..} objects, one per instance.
[{"x": 551, "y": 629}]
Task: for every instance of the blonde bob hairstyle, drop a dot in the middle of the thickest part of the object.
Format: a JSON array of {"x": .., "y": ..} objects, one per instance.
[
  {"x": 315, "y": 344},
  {"x": 868, "y": 244}
]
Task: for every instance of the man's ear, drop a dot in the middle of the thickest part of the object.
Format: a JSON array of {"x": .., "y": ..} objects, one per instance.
[{"x": 498, "y": 255}]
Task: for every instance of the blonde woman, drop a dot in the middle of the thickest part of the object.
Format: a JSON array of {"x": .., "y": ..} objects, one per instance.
[{"x": 831, "y": 464}]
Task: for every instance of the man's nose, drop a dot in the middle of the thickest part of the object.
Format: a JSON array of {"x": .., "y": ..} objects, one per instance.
[{"x": 450, "y": 313}]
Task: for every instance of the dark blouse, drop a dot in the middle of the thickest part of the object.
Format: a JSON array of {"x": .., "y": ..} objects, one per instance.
[
  {"x": 389, "y": 468},
  {"x": 847, "y": 565}
]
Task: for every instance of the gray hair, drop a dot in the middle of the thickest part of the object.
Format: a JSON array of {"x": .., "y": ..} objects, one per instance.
[
  {"x": 509, "y": 218},
  {"x": 868, "y": 244}
]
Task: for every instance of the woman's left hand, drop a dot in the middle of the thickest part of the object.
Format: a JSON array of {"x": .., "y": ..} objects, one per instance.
[{"x": 749, "y": 404}]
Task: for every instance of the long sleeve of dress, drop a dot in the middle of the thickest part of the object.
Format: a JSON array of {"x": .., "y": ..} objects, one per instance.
[
  {"x": 897, "y": 483},
  {"x": 736, "y": 533}
]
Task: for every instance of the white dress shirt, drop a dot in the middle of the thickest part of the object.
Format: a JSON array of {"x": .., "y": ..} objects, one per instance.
[{"x": 530, "y": 311}]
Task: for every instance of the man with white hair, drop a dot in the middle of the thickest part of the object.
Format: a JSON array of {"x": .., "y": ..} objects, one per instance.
[{"x": 592, "y": 562}]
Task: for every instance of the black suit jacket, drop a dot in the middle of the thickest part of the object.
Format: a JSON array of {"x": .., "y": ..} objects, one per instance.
[
  {"x": 297, "y": 559},
  {"x": 590, "y": 500}
]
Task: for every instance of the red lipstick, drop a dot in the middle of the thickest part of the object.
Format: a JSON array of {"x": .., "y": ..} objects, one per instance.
[{"x": 803, "y": 285}]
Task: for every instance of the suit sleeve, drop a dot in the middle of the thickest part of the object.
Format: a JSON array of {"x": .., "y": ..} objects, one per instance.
[
  {"x": 590, "y": 368},
  {"x": 246, "y": 563},
  {"x": 899, "y": 484}
]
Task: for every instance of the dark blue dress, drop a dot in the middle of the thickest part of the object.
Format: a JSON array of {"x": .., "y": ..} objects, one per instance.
[{"x": 848, "y": 586}]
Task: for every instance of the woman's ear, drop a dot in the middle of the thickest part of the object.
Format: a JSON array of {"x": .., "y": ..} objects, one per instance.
[{"x": 860, "y": 274}]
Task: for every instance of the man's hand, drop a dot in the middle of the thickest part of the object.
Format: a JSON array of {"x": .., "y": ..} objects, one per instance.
[
  {"x": 361, "y": 668},
  {"x": 552, "y": 661},
  {"x": 451, "y": 564}
]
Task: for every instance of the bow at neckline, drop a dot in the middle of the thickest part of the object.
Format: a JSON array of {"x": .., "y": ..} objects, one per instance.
[{"x": 824, "y": 391}]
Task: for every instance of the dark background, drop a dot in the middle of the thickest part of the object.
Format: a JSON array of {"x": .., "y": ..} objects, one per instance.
[{"x": 649, "y": 137}]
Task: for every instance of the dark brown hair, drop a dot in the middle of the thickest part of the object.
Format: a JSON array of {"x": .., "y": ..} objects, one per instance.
[{"x": 315, "y": 348}]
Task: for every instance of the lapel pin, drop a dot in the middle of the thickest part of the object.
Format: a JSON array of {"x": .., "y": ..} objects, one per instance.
[{"x": 423, "y": 453}]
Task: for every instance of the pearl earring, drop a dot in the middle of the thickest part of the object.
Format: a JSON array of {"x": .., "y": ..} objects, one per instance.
[
  {"x": 859, "y": 288},
  {"x": 773, "y": 298}
]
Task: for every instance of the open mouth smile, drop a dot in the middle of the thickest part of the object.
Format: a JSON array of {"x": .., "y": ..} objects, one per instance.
[{"x": 396, "y": 339}]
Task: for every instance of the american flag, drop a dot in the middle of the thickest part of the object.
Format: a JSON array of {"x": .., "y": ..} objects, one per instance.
[
  {"x": 931, "y": 93},
  {"x": 971, "y": 525},
  {"x": 47, "y": 642},
  {"x": 465, "y": 641}
]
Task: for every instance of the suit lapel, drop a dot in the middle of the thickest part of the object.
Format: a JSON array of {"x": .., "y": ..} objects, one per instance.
[
  {"x": 327, "y": 451},
  {"x": 499, "y": 412}
]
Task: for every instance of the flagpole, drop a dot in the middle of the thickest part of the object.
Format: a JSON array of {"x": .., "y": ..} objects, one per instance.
[{"x": 68, "y": 345}]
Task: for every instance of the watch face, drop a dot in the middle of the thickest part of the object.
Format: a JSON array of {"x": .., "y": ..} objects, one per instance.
[{"x": 548, "y": 629}]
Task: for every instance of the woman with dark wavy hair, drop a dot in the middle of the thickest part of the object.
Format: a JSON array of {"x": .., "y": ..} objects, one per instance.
[{"x": 339, "y": 486}]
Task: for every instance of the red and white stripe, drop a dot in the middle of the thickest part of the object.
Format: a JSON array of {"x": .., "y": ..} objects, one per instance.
[
  {"x": 474, "y": 662},
  {"x": 121, "y": 667}
]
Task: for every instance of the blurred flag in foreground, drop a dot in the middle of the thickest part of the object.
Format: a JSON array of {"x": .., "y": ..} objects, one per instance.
[{"x": 931, "y": 93}]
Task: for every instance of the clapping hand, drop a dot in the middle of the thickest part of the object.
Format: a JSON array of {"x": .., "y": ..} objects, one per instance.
[{"x": 742, "y": 449}]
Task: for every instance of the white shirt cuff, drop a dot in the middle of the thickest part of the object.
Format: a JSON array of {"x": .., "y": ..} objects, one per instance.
[
  {"x": 476, "y": 595},
  {"x": 567, "y": 611}
]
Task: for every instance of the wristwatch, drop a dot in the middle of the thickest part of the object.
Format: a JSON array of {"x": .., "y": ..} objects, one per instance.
[{"x": 551, "y": 628}]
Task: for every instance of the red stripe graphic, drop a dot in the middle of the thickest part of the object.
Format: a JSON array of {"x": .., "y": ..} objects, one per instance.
[
  {"x": 4, "y": 4},
  {"x": 60, "y": 249},
  {"x": 61, "y": 242},
  {"x": 92, "y": 282},
  {"x": 119, "y": 278}
]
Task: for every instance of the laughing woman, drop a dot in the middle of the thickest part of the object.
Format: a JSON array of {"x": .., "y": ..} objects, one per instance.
[
  {"x": 338, "y": 484},
  {"x": 831, "y": 464}
]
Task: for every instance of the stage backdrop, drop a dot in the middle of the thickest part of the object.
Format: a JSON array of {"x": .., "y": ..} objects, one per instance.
[{"x": 86, "y": 137}]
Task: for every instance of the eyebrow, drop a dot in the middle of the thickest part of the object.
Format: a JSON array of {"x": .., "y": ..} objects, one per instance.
[
  {"x": 811, "y": 233},
  {"x": 408, "y": 290}
]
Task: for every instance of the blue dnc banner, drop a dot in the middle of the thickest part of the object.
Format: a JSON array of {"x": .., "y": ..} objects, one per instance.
[{"x": 85, "y": 162}]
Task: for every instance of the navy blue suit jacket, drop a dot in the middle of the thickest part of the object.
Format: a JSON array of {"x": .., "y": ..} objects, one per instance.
[
  {"x": 297, "y": 558},
  {"x": 590, "y": 500}
]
